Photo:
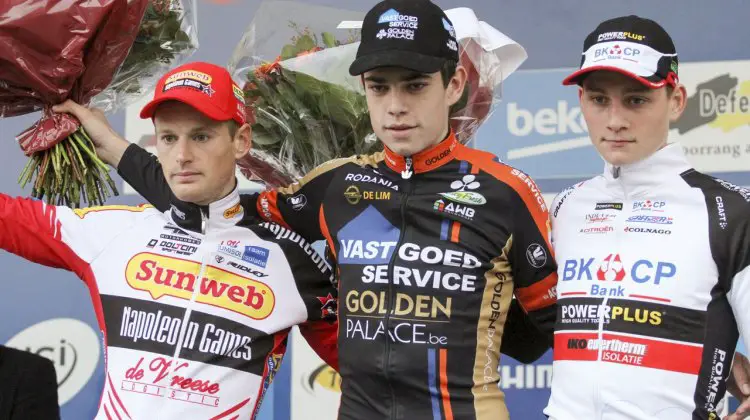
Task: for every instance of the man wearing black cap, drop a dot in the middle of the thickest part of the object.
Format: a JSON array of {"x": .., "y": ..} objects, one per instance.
[
  {"x": 652, "y": 302},
  {"x": 431, "y": 239}
]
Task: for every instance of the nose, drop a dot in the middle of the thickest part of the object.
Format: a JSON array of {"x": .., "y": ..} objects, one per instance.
[
  {"x": 616, "y": 120},
  {"x": 183, "y": 151},
  {"x": 396, "y": 103}
]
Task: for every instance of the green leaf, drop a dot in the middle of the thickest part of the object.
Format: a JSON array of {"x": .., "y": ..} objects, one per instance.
[
  {"x": 329, "y": 40},
  {"x": 289, "y": 51},
  {"x": 305, "y": 43}
]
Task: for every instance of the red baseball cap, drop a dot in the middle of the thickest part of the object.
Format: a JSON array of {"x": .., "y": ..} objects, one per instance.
[{"x": 204, "y": 86}]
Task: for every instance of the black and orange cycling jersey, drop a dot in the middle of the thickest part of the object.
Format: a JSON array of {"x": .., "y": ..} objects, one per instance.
[{"x": 430, "y": 250}]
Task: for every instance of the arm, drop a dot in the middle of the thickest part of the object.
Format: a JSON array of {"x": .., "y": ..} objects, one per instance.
[
  {"x": 314, "y": 282},
  {"x": 136, "y": 166},
  {"x": 37, "y": 390},
  {"x": 58, "y": 236},
  {"x": 522, "y": 338},
  {"x": 532, "y": 259}
]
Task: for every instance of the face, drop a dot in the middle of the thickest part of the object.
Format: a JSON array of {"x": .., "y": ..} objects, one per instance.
[
  {"x": 409, "y": 110},
  {"x": 197, "y": 153},
  {"x": 627, "y": 120}
]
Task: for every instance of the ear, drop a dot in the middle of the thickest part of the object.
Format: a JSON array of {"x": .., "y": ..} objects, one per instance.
[
  {"x": 677, "y": 102},
  {"x": 580, "y": 93},
  {"x": 456, "y": 85},
  {"x": 243, "y": 141}
]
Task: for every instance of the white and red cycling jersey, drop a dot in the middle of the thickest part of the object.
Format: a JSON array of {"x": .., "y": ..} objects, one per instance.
[
  {"x": 194, "y": 304},
  {"x": 653, "y": 291}
]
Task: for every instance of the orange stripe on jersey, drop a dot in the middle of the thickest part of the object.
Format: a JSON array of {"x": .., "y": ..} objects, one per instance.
[
  {"x": 522, "y": 184},
  {"x": 84, "y": 211},
  {"x": 268, "y": 208},
  {"x": 444, "y": 384},
  {"x": 455, "y": 231},
  {"x": 539, "y": 294},
  {"x": 474, "y": 169},
  {"x": 326, "y": 233}
]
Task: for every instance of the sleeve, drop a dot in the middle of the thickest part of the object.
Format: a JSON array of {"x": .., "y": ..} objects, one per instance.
[
  {"x": 738, "y": 267},
  {"x": 531, "y": 257},
  {"x": 60, "y": 237},
  {"x": 142, "y": 171},
  {"x": 37, "y": 390},
  {"x": 314, "y": 280},
  {"x": 300, "y": 206},
  {"x": 522, "y": 338}
]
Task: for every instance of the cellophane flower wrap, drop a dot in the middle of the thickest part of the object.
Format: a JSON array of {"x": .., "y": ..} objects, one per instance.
[
  {"x": 305, "y": 108},
  {"x": 104, "y": 53}
]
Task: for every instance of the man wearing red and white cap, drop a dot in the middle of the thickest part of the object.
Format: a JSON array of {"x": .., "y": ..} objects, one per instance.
[
  {"x": 194, "y": 304},
  {"x": 652, "y": 300}
]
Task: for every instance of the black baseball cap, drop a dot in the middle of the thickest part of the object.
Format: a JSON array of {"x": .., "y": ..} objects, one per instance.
[
  {"x": 413, "y": 34},
  {"x": 631, "y": 45}
]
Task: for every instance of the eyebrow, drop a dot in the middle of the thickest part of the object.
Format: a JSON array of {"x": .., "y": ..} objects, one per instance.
[
  {"x": 410, "y": 77},
  {"x": 193, "y": 131},
  {"x": 634, "y": 89}
]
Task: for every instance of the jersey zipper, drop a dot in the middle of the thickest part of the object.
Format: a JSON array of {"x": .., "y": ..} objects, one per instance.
[
  {"x": 188, "y": 309},
  {"x": 619, "y": 226},
  {"x": 405, "y": 174}
]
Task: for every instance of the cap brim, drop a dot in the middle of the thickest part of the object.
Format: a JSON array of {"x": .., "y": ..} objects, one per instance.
[
  {"x": 192, "y": 98},
  {"x": 653, "y": 82},
  {"x": 405, "y": 59}
]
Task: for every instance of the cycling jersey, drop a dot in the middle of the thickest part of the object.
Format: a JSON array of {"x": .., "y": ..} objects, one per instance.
[
  {"x": 653, "y": 281},
  {"x": 194, "y": 305},
  {"x": 430, "y": 250}
]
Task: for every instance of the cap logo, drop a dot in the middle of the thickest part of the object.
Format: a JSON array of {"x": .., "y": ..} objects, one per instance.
[
  {"x": 610, "y": 36},
  {"x": 394, "y": 19},
  {"x": 616, "y": 52},
  {"x": 448, "y": 27},
  {"x": 190, "y": 74},
  {"x": 238, "y": 93},
  {"x": 190, "y": 83}
]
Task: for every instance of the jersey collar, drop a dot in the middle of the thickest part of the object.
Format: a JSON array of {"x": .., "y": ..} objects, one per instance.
[
  {"x": 200, "y": 219},
  {"x": 651, "y": 171},
  {"x": 426, "y": 160}
]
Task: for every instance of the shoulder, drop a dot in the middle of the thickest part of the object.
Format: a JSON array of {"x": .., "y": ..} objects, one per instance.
[
  {"x": 717, "y": 190},
  {"x": 332, "y": 167},
  {"x": 518, "y": 182},
  {"x": 567, "y": 195},
  {"x": 298, "y": 252}
]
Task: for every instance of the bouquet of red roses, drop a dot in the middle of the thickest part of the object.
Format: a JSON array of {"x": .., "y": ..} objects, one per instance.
[
  {"x": 105, "y": 53},
  {"x": 305, "y": 108}
]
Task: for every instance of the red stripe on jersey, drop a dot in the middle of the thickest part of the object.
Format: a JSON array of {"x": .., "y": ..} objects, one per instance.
[{"x": 626, "y": 350}]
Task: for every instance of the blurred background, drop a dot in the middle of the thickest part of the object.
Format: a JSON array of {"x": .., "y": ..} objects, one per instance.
[{"x": 536, "y": 127}]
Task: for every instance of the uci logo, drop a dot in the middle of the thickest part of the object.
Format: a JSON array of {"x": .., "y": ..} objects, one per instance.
[{"x": 70, "y": 344}]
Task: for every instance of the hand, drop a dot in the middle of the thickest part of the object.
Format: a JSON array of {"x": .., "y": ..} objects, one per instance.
[
  {"x": 739, "y": 386},
  {"x": 109, "y": 145}
]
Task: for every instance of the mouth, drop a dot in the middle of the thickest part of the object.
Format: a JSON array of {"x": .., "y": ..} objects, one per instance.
[
  {"x": 618, "y": 142},
  {"x": 185, "y": 176},
  {"x": 400, "y": 129}
]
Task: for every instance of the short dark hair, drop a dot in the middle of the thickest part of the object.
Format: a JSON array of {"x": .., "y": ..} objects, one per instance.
[
  {"x": 233, "y": 127},
  {"x": 447, "y": 71}
]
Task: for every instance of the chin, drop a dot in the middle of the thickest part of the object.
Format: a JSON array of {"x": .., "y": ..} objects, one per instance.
[{"x": 189, "y": 193}]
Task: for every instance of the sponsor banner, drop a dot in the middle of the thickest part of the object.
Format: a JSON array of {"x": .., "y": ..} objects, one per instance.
[
  {"x": 632, "y": 317},
  {"x": 543, "y": 134},
  {"x": 662, "y": 355},
  {"x": 154, "y": 327}
]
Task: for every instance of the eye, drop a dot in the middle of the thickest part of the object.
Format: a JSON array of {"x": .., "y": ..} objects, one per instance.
[
  {"x": 599, "y": 99},
  {"x": 201, "y": 137},
  {"x": 416, "y": 86},
  {"x": 378, "y": 88},
  {"x": 637, "y": 100},
  {"x": 168, "y": 138}
]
